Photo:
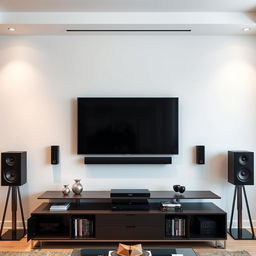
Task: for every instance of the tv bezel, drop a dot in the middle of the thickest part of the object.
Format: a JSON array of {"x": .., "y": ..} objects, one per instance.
[{"x": 176, "y": 152}]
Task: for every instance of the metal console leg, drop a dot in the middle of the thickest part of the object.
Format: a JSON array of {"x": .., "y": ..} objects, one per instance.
[
  {"x": 220, "y": 245},
  {"x": 36, "y": 244}
]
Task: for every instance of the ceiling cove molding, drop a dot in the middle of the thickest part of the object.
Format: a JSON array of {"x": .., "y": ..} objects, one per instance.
[
  {"x": 59, "y": 22},
  {"x": 127, "y": 18},
  {"x": 128, "y": 5}
]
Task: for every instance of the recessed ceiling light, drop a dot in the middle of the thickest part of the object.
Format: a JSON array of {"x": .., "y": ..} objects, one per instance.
[
  {"x": 11, "y": 29},
  {"x": 246, "y": 29}
]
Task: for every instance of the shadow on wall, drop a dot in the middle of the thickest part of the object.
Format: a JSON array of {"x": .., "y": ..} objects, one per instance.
[
  {"x": 217, "y": 167},
  {"x": 73, "y": 135},
  {"x": 251, "y": 13},
  {"x": 32, "y": 203},
  {"x": 193, "y": 155},
  {"x": 47, "y": 155},
  {"x": 216, "y": 175},
  {"x": 73, "y": 129},
  {"x": 24, "y": 191},
  {"x": 56, "y": 169}
]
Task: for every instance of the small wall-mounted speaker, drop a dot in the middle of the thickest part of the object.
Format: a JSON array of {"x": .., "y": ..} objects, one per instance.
[
  {"x": 14, "y": 168},
  {"x": 200, "y": 154},
  {"x": 55, "y": 154}
]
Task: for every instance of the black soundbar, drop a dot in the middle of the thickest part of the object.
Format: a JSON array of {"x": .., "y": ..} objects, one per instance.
[
  {"x": 129, "y": 193},
  {"x": 127, "y": 160}
]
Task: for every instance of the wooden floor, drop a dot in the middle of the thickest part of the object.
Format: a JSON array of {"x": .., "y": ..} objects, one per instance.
[{"x": 231, "y": 245}]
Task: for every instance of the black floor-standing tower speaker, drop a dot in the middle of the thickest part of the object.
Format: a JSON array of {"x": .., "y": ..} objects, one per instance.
[
  {"x": 240, "y": 173},
  {"x": 13, "y": 175}
]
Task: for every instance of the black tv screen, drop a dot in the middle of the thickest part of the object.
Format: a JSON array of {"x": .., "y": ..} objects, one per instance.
[{"x": 127, "y": 126}]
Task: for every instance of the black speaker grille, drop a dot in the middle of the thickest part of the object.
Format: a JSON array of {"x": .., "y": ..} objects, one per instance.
[
  {"x": 10, "y": 175},
  {"x": 13, "y": 168},
  {"x": 243, "y": 159},
  {"x": 241, "y": 167},
  {"x": 243, "y": 175},
  {"x": 10, "y": 161}
]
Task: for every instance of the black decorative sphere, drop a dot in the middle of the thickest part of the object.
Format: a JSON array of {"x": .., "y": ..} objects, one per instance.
[
  {"x": 182, "y": 189},
  {"x": 176, "y": 188}
]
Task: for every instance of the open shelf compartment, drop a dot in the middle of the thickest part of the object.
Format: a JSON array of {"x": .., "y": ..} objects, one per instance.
[
  {"x": 207, "y": 226},
  {"x": 176, "y": 227},
  {"x": 49, "y": 226},
  {"x": 82, "y": 226}
]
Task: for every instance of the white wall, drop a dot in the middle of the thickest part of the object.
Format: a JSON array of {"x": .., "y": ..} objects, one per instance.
[{"x": 214, "y": 78}]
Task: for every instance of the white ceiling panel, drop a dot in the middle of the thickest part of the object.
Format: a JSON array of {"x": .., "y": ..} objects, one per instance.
[{"x": 129, "y": 5}]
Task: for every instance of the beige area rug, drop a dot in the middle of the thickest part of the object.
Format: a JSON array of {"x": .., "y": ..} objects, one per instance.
[
  {"x": 223, "y": 253},
  {"x": 59, "y": 253},
  {"x": 36, "y": 253}
]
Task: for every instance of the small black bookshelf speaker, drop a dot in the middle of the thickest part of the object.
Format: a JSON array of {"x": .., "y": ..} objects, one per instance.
[
  {"x": 55, "y": 154},
  {"x": 200, "y": 154},
  {"x": 241, "y": 167},
  {"x": 14, "y": 168}
]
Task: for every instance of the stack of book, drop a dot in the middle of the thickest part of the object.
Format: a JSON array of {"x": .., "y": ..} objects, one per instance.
[
  {"x": 83, "y": 227},
  {"x": 58, "y": 207},
  {"x": 175, "y": 227}
]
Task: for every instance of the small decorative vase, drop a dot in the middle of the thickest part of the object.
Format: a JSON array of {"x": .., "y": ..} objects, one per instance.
[
  {"x": 77, "y": 188},
  {"x": 65, "y": 190}
]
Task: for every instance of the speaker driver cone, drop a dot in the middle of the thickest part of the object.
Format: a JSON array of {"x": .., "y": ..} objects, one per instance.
[
  {"x": 10, "y": 161},
  {"x": 243, "y": 175},
  {"x": 243, "y": 160},
  {"x": 10, "y": 176}
]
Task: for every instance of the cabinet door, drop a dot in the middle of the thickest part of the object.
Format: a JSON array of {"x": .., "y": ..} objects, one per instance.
[
  {"x": 148, "y": 233},
  {"x": 130, "y": 232},
  {"x": 130, "y": 219},
  {"x": 31, "y": 232},
  {"x": 114, "y": 232}
]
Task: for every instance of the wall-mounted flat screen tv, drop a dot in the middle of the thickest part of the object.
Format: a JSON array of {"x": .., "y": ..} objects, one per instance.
[{"x": 127, "y": 125}]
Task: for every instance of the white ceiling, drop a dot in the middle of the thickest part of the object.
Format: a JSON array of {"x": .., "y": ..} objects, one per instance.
[{"x": 129, "y": 5}]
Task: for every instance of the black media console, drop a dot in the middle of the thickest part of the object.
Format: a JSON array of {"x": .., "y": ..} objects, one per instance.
[{"x": 90, "y": 219}]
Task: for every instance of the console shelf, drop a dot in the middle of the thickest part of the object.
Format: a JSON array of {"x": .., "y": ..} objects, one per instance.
[
  {"x": 162, "y": 195},
  {"x": 106, "y": 225}
]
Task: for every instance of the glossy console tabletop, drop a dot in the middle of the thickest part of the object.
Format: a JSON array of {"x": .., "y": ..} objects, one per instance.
[{"x": 153, "y": 195}]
